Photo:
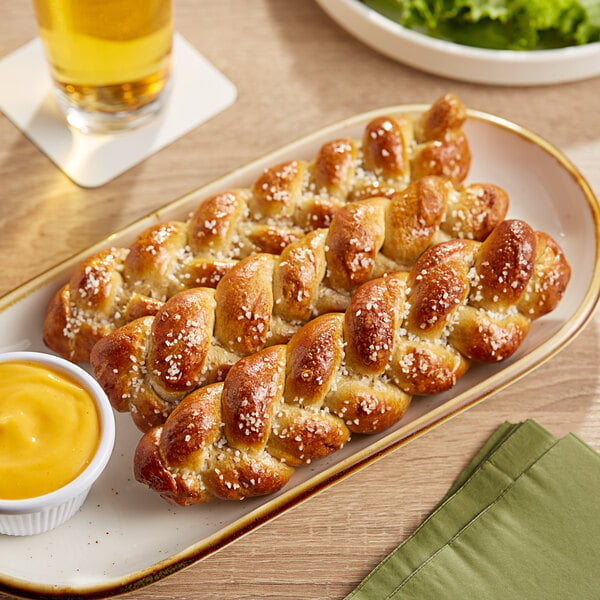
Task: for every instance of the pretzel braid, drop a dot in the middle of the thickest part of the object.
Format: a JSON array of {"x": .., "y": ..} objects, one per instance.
[
  {"x": 147, "y": 365},
  {"x": 402, "y": 335},
  {"x": 286, "y": 201}
]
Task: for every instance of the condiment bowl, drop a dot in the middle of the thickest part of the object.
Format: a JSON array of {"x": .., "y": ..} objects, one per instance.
[{"x": 41, "y": 513}]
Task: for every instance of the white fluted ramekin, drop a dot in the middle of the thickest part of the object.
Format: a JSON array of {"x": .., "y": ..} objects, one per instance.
[{"x": 42, "y": 513}]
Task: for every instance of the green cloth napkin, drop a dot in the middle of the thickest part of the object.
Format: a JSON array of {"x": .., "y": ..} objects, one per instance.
[{"x": 522, "y": 521}]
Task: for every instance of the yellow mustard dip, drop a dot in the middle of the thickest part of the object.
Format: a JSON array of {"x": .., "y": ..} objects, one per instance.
[{"x": 49, "y": 430}]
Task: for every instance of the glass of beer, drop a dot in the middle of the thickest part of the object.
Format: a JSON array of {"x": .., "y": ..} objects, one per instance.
[{"x": 109, "y": 59}]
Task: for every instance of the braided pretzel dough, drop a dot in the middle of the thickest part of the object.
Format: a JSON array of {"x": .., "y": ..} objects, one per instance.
[
  {"x": 404, "y": 334},
  {"x": 287, "y": 200},
  {"x": 147, "y": 365}
]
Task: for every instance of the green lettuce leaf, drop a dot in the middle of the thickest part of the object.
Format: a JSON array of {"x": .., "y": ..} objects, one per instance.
[{"x": 499, "y": 24}]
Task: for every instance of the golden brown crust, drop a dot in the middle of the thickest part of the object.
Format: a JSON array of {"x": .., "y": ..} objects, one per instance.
[
  {"x": 194, "y": 424},
  {"x": 377, "y": 313},
  {"x": 487, "y": 340},
  {"x": 439, "y": 283},
  {"x": 442, "y": 147},
  {"x": 354, "y": 240},
  {"x": 249, "y": 399},
  {"x": 446, "y": 158},
  {"x": 73, "y": 325},
  {"x": 276, "y": 191},
  {"x": 314, "y": 274},
  {"x": 336, "y": 166},
  {"x": 549, "y": 279},
  {"x": 384, "y": 147},
  {"x": 447, "y": 113},
  {"x": 181, "y": 338},
  {"x": 55, "y": 331},
  {"x": 265, "y": 298},
  {"x": 298, "y": 276},
  {"x": 505, "y": 264},
  {"x": 422, "y": 368},
  {"x": 124, "y": 353},
  {"x": 313, "y": 357},
  {"x": 283, "y": 203},
  {"x": 187, "y": 461},
  {"x": 153, "y": 257},
  {"x": 476, "y": 212},
  {"x": 402, "y": 335},
  {"x": 150, "y": 468},
  {"x": 212, "y": 224},
  {"x": 244, "y": 304},
  {"x": 419, "y": 211}
]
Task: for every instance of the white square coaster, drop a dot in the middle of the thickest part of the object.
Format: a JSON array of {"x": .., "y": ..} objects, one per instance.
[{"x": 198, "y": 92}]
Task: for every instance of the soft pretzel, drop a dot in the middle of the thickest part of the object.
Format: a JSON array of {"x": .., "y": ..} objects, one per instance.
[
  {"x": 405, "y": 334},
  {"x": 286, "y": 201},
  {"x": 265, "y": 298}
]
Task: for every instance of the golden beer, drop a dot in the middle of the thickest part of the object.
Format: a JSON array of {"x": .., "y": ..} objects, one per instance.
[{"x": 109, "y": 59}]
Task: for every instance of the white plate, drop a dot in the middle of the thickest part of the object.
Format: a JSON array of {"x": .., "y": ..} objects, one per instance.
[
  {"x": 478, "y": 65},
  {"x": 125, "y": 536}
]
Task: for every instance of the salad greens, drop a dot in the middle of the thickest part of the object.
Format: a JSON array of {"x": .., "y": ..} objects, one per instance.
[{"x": 499, "y": 24}]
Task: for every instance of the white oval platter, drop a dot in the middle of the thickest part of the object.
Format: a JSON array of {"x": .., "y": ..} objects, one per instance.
[{"x": 126, "y": 537}]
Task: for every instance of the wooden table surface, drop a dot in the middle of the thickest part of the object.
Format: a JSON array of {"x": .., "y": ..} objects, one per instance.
[{"x": 295, "y": 72}]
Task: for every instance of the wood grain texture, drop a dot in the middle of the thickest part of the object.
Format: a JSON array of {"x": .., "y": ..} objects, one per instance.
[{"x": 296, "y": 71}]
